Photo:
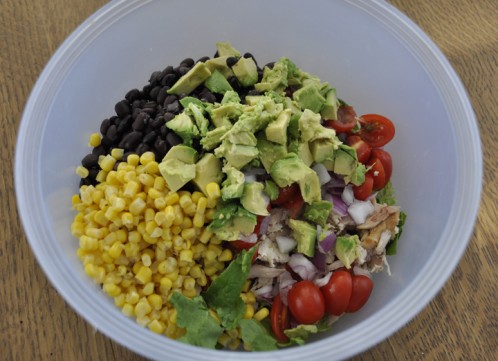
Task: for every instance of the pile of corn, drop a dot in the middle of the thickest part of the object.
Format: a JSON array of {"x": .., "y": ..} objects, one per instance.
[{"x": 142, "y": 242}]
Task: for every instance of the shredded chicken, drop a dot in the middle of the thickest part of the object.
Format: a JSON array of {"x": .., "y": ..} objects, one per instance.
[
  {"x": 370, "y": 238},
  {"x": 268, "y": 251},
  {"x": 379, "y": 215}
]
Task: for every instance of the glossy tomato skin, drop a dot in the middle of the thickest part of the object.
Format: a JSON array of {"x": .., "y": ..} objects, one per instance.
[
  {"x": 362, "y": 289},
  {"x": 385, "y": 159},
  {"x": 378, "y": 173},
  {"x": 306, "y": 302},
  {"x": 279, "y": 318},
  {"x": 361, "y": 147},
  {"x": 337, "y": 292},
  {"x": 376, "y": 130},
  {"x": 294, "y": 205},
  {"x": 363, "y": 191},
  {"x": 285, "y": 194},
  {"x": 346, "y": 120}
]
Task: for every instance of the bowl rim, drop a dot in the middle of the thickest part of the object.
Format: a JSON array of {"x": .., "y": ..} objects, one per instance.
[{"x": 155, "y": 346}]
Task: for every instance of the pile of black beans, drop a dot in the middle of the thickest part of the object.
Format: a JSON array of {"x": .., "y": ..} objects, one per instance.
[{"x": 139, "y": 125}]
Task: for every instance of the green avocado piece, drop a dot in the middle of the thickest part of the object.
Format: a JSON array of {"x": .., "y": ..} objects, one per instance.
[
  {"x": 226, "y": 49},
  {"x": 176, "y": 173},
  {"x": 329, "y": 109},
  {"x": 309, "y": 97},
  {"x": 346, "y": 249},
  {"x": 305, "y": 236},
  {"x": 207, "y": 170},
  {"x": 253, "y": 99},
  {"x": 253, "y": 198},
  {"x": 269, "y": 152},
  {"x": 223, "y": 113},
  {"x": 231, "y": 220},
  {"x": 188, "y": 82},
  {"x": 275, "y": 78},
  {"x": 322, "y": 149},
  {"x": 183, "y": 125},
  {"x": 213, "y": 137},
  {"x": 185, "y": 101},
  {"x": 276, "y": 131},
  {"x": 236, "y": 155},
  {"x": 345, "y": 160},
  {"x": 310, "y": 187},
  {"x": 230, "y": 96},
  {"x": 242, "y": 138},
  {"x": 217, "y": 83},
  {"x": 220, "y": 63},
  {"x": 200, "y": 120},
  {"x": 271, "y": 189},
  {"x": 183, "y": 153},
  {"x": 318, "y": 212},
  {"x": 246, "y": 71},
  {"x": 233, "y": 185},
  {"x": 304, "y": 152},
  {"x": 311, "y": 128}
]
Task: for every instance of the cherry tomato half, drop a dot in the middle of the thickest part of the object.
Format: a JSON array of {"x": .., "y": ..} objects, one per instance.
[
  {"x": 362, "y": 148},
  {"x": 386, "y": 160},
  {"x": 306, "y": 302},
  {"x": 378, "y": 173},
  {"x": 286, "y": 193},
  {"x": 294, "y": 205},
  {"x": 362, "y": 288},
  {"x": 376, "y": 130},
  {"x": 279, "y": 318},
  {"x": 337, "y": 292},
  {"x": 363, "y": 191},
  {"x": 346, "y": 120}
]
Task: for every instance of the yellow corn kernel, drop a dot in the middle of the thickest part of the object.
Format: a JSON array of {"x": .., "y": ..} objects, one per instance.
[
  {"x": 131, "y": 250},
  {"x": 168, "y": 265},
  {"x": 185, "y": 200},
  {"x": 165, "y": 285},
  {"x": 159, "y": 182},
  {"x": 156, "y": 326},
  {"x": 152, "y": 167},
  {"x": 224, "y": 339},
  {"x": 77, "y": 229},
  {"x": 171, "y": 198},
  {"x": 127, "y": 219},
  {"x": 215, "y": 240},
  {"x": 133, "y": 159},
  {"x": 131, "y": 188},
  {"x": 143, "y": 275},
  {"x": 234, "y": 344},
  {"x": 202, "y": 280},
  {"x": 176, "y": 230},
  {"x": 101, "y": 175},
  {"x": 195, "y": 271},
  {"x": 186, "y": 256},
  {"x": 188, "y": 234},
  {"x": 160, "y": 218},
  {"x": 187, "y": 223},
  {"x": 213, "y": 190},
  {"x": 148, "y": 289},
  {"x": 172, "y": 316},
  {"x": 149, "y": 215},
  {"x": 143, "y": 321},
  {"x": 250, "y": 298},
  {"x": 153, "y": 230},
  {"x": 111, "y": 289},
  {"x": 249, "y": 312},
  {"x": 127, "y": 310},
  {"x": 205, "y": 236},
  {"x": 210, "y": 270},
  {"x": 75, "y": 199},
  {"x": 146, "y": 179},
  {"x": 156, "y": 301},
  {"x": 134, "y": 237},
  {"x": 88, "y": 243},
  {"x": 107, "y": 163},
  {"x": 178, "y": 215},
  {"x": 132, "y": 296},
  {"x": 225, "y": 256},
  {"x": 146, "y": 260},
  {"x": 154, "y": 193},
  {"x": 189, "y": 293},
  {"x": 137, "y": 206},
  {"x": 147, "y": 157},
  {"x": 94, "y": 140},
  {"x": 115, "y": 250},
  {"x": 189, "y": 283},
  {"x": 261, "y": 314},
  {"x": 160, "y": 203},
  {"x": 198, "y": 220},
  {"x": 142, "y": 308},
  {"x": 82, "y": 171},
  {"x": 210, "y": 214}
]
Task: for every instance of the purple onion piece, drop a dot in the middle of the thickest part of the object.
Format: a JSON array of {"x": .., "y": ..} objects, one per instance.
[
  {"x": 263, "y": 227},
  {"x": 320, "y": 261},
  {"x": 340, "y": 207},
  {"x": 327, "y": 243}
]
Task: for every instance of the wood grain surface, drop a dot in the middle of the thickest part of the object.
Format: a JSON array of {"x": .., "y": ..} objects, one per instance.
[{"x": 461, "y": 323}]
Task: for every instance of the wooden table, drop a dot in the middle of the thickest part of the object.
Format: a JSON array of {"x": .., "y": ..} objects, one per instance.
[{"x": 461, "y": 323}]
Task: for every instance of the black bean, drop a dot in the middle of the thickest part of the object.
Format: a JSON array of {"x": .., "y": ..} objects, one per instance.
[
  {"x": 136, "y": 104},
  {"x": 124, "y": 124},
  {"x": 233, "y": 82},
  {"x": 115, "y": 167},
  {"x": 231, "y": 61},
  {"x": 135, "y": 113},
  {"x": 146, "y": 90},
  {"x": 164, "y": 131},
  {"x": 207, "y": 96},
  {"x": 157, "y": 122},
  {"x": 173, "y": 139},
  {"x": 161, "y": 148},
  {"x": 182, "y": 70},
  {"x": 161, "y": 97},
  {"x": 104, "y": 126},
  {"x": 85, "y": 181},
  {"x": 169, "y": 99},
  {"x": 140, "y": 121},
  {"x": 155, "y": 78},
  {"x": 168, "y": 116},
  {"x": 90, "y": 160},
  {"x": 122, "y": 108},
  {"x": 131, "y": 140},
  {"x": 150, "y": 137},
  {"x": 249, "y": 55},
  {"x": 112, "y": 133},
  {"x": 189, "y": 62},
  {"x": 99, "y": 150},
  {"x": 92, "y": 173},
  {"x": 173, "y": 107},
  {"x": 216, "y": 54},
  {"x": 260, "y": 75},
  {"x": 270, "y": 65},
  {"x": 182, "y": 95},
  {"x": 154, "y": 92},
  {"x": 142, "y": 148},
  {"x": 167, "y": 70},
  {"x": 132, "y": 95},
  {"x": 203, "y": 59},
  {"x": 253, "y": 92},
  {"x": 169, "y": 79}
]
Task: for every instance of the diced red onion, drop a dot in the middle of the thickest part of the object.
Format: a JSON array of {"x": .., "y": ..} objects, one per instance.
[
  {"x": 340, "y": 207},
  {"x": 285, "y": 282},
  {"x": 323, "y": 174},
  {"x": 348, "y": 195},
  {"x": 322, "y": 281},
  {"x": 336, "y": 265},
  {"x": 327, "y": 243},
  {"x": 361, "y": 271},
  {"x": 320, "y": 261},
  {"x": 258, "y": 271},
  {"x": 302, "y": 266},
  {"x": 263, "y": 227},
  {"x": 252, "y": 238},
  {"x": 335, "y": 181},
  {"x": 360, "y": 210},
  {"x": 285, "y": 244},
  {"x": 327, "y": 196}
]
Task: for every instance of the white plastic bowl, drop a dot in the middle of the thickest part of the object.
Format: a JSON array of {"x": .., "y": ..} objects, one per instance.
[{"x": 377, "y": 59}]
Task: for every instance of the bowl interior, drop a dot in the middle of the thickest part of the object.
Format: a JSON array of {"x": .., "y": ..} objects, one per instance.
[{"x": 378, "y": 61}]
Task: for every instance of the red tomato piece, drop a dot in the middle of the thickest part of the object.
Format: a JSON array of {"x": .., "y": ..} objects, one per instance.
[
  {"x": 362, "y": 288},
  {"x": 362, "y": 148},
  {"x": 378, "y": 173},
  {"x": 346, "y": 120},
  {"x": 337, "y": 292},
  {"x": 306, "y": 302},
  {"x": 376, "y": 130},
  {"x": 279, "y": 318},
  {"x": 363, "y": 191},
  {"x": 294, "y": 205},
  {"x": 386, "y": 160},
  {"x": 286, "y": 193}
]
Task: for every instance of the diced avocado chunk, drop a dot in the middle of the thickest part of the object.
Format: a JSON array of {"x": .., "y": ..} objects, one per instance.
[
  {"x": 188, "y": 82},
  {"x": 230, "y": 96},
  {"x": 303, "y": 151},
  {"x": 184, "y": 126},
  {"x": 309, "y": 97},
  {"x": 207, "y": 170},
  {"x": 226, "y": 49},
  {"x": 311, "y": 128},
  {"x": 185, "y": 101},
  {"x": 305, "y": 236},
  {"x": 242, "y": 138},
  {"x": 246, "y": 71},
  {"x": 253, "y": 198},
  {"x": 345, "y": 160},
  {"x": 217, "y": 83},
  {"x": 346, "y": 249},
  {"x": 275, "y": 78},
  {"x": 291, "y": 169},
  {"x": 318, "y": 212},
  {"x": 183, "y": 153},
  {"x": 276, "y": 131},
  {"x": 231, "y": 221},
  {"x": 329, "y": 109},
  {"x": 176, "y": 173},
  {"x": 236, "y": 155},
  {"x": 213, "y": 138},
  {"x": 220, "y": 63},
  {"x": 271, "y": 189},
  {"x": 200, "y": 120},
  {"x": 323, "y": 149},
  {"x": 253, "y": 99},
  {"x": 269, "y": 152},
  {"x": 221, "y": 115},
  {"x": 233, "y": 185},
  {"x": 357, "y": 177}
]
